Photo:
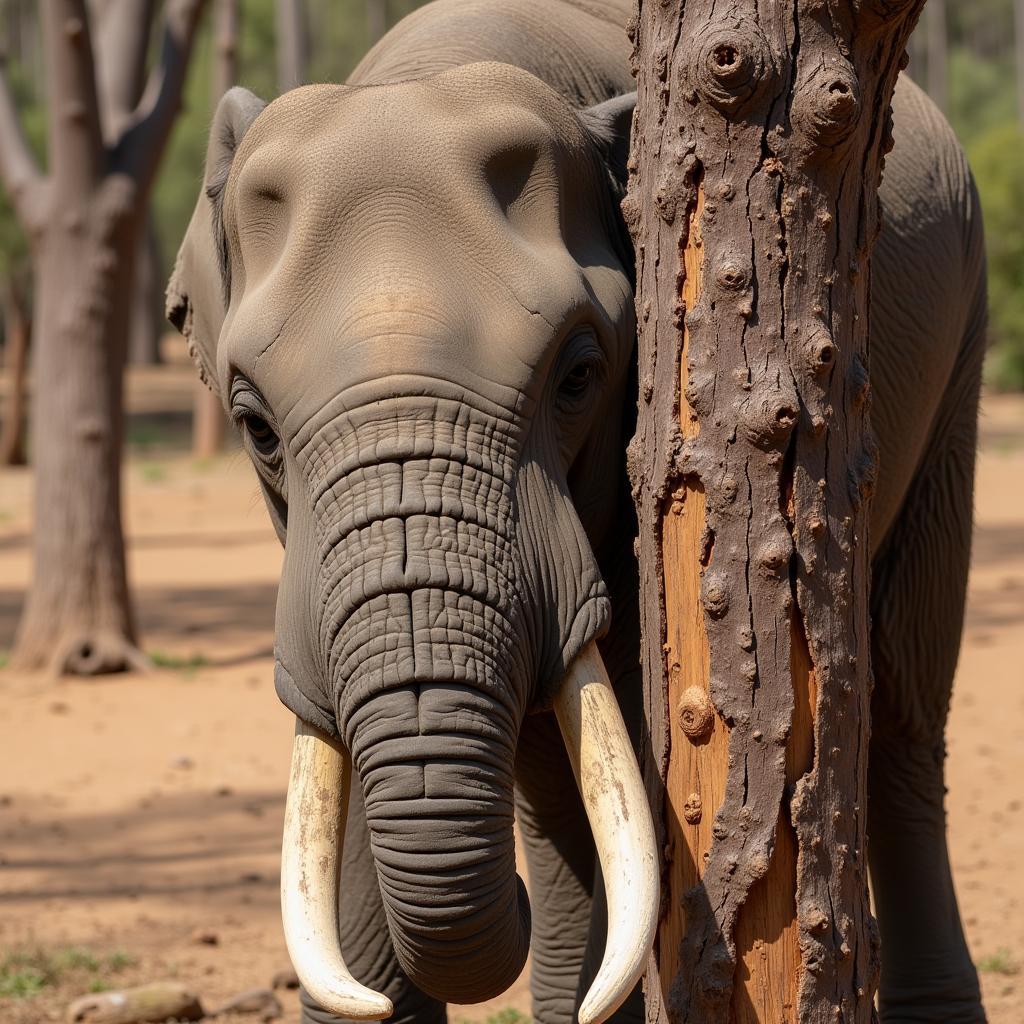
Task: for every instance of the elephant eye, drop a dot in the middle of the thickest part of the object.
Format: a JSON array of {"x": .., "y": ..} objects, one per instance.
[
  {"x": 261, "y": 434},
  {"x": 577, "y": 381}
]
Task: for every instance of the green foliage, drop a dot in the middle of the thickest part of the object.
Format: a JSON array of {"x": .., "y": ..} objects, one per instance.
[
  {"x": 14, "y": 254},
  {"x": 998, "y": 161},
  {"x": 999, "y": 962},
  {"x": 982, "y": 108},
  {"x": 186, "y": 665},
  {"x": 26, "y": 972}
]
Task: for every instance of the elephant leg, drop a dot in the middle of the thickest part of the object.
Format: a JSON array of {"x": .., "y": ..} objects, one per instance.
[
  {"x": 919, "y": 592},
  {"x": 365, "y": 940},
  {"x": 560, "y": 859}
]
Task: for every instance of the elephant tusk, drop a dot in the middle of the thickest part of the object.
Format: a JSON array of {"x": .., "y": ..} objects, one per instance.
[
  {"x": 314, "y": 834},
  {"x": 620, "y": 819}
]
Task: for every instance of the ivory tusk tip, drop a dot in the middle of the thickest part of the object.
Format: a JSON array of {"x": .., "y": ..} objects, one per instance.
[{"x": 370, "y": 1006}]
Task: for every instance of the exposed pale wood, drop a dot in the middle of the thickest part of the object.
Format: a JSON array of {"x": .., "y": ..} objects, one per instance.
[
  {"x": 767, "y": 933},
  {"x": 694, "y": 768}
]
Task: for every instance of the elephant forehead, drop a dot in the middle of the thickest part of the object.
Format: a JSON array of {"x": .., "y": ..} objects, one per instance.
[
  {"x": 478, "y": 175},
  {"x": 383, "y": 227}
]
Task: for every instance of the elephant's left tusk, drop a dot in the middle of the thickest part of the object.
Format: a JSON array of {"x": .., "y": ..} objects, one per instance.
[
  {"x": 314, "y": 834},
  {"x": 620, "y": 819}
]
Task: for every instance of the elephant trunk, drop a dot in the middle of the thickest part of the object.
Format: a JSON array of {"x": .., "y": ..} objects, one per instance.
[
  {"x": 438, "y": 798},
  {"x": 428, "y": 646}
]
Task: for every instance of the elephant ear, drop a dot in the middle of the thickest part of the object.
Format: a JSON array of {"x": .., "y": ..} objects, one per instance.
[
  {"x": 609, "y": 125},
  {"x": 197, "y": 294}
]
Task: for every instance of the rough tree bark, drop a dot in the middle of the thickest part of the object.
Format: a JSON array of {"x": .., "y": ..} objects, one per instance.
[
  {"x": 17, "y": 331},
  {"x": 83, "y": 219},
  {"x": 292, "y": 44},
  {"x": 757, "y": 151},
  {"x": 208, "y": 419}
]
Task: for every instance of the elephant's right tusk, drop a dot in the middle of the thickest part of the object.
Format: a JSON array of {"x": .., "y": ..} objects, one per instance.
[
  {"x": 620, "y": 819},
  {"x": 314, "y": 833}
]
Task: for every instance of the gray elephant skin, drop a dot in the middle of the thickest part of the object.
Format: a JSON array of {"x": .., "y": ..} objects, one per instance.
[{"x": 414, "y": 294}]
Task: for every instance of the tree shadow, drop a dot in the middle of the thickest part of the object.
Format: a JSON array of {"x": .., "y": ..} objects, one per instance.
[
  {"x": 193, "y": 847},
  {"x": 206, "y": 615}
]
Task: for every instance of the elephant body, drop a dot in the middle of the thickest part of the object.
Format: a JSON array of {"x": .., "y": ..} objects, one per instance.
[{"x": 419, "y": 287}]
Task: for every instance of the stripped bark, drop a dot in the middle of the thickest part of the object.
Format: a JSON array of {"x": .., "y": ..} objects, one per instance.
[
  {"x": 83, "y": 220},
  {"x": 757, "y": 152}
]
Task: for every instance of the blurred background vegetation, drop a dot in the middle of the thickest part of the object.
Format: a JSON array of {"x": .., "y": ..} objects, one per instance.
[{"x": 969, "y": 57}]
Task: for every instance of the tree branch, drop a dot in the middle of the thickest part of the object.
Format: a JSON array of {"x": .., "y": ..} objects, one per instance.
[
  {"x": 18, "y": 169},
  {"x": 75, "y": 142},
  {"x": 141, "y": 146},
  {"x": 121, "y": 29}
]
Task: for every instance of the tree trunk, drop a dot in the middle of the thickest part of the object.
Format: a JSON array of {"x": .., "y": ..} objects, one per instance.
[
  {"x": 757, "y": 151},
  {"x": 122, "y": 31},
  {"x": 78, "y": 617},
  {"x": 83, "y": 219},
  {"x": 208, "y": 419},
  {"x": 936, "y": 27},
  {"x": 17, "y": 332},
  {"x": 376, "y": 19},
  {"x": 292, "y": 44},
  {"x": 146, "y": 322}
]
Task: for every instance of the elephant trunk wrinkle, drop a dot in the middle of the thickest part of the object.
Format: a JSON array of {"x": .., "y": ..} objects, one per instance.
[{"x": 436, "y": 769}]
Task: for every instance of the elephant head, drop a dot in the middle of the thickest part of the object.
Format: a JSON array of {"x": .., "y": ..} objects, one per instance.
[{"x": 415, "y": 300}]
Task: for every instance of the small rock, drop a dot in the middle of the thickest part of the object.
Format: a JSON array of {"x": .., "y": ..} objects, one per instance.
[
  {"x": 183, "y": 763},
  {"x": 286, "y": 978},
  {"x": 58, "y": 707},
  {"x": 223, "y": 791},
  {"x": 259, "y": 1002},
  {"x": 204, "y": 937},
  {"x": 147, "y": 1004}
]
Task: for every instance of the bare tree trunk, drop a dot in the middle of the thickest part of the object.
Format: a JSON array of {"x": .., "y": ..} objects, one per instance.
[
  {"x": 757, "y": 152},
  {"x": 208, "y": 419},
  {"x": 376, "y": 19},
  {"x": 146, "y": 321},
  {"x": 17, "y": 332},
  {"x": 122, "y": 31},
  {"x": 937, "y": 29},
  {"x": 84, "y": 220},
  {"x": 292, "y": 44}
]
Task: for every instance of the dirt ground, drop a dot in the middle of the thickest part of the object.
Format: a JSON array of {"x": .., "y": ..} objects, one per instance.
[{"x": 140, "y": 816}]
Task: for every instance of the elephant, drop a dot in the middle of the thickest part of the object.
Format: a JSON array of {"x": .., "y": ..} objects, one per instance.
[{"x": 414, "y": 294}]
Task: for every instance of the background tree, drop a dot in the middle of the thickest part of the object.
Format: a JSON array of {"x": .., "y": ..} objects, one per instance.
[
  {"x": 83, "y": 219},
  {"x": 18, "y": 43},
  {"x": 757, "y": 152},
  {"x": 292, "y": 44},
  {"x": 208, "y": 419},
  {"x": 376, "y": 19}
]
